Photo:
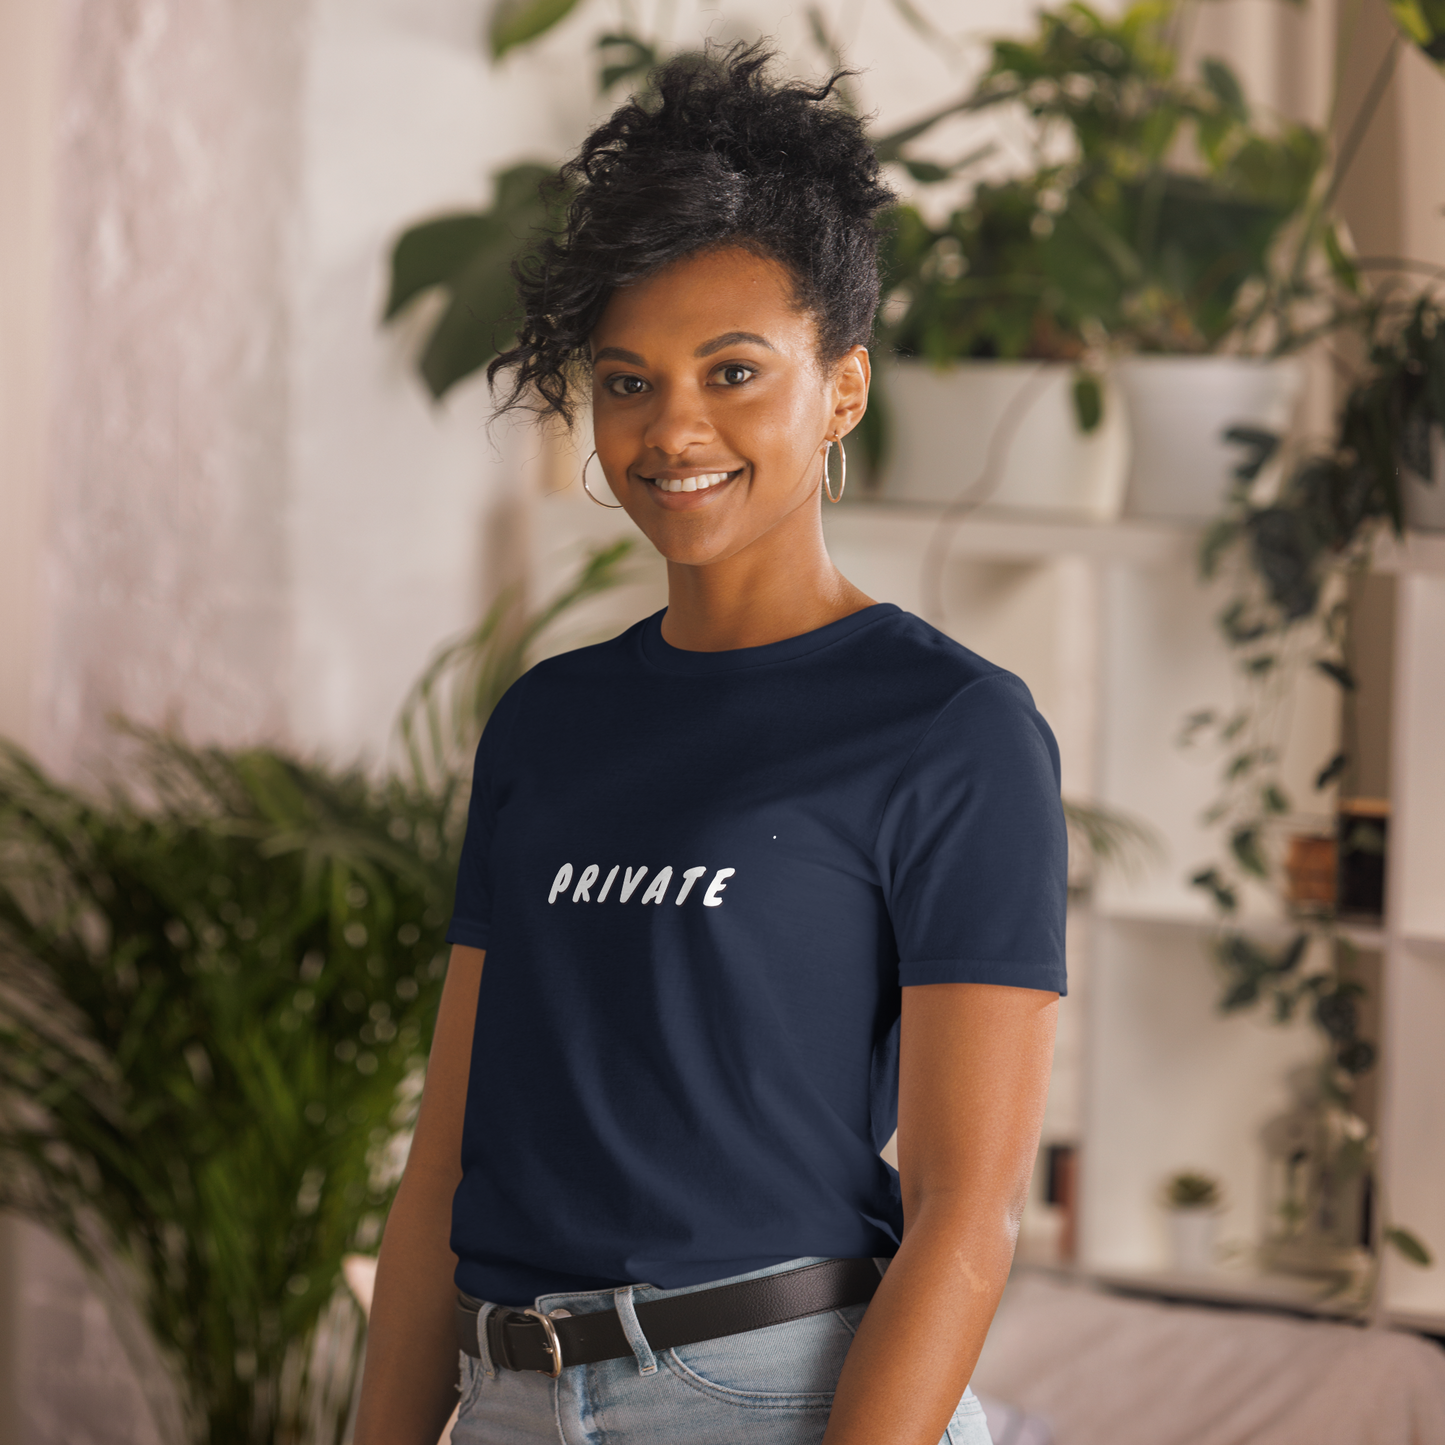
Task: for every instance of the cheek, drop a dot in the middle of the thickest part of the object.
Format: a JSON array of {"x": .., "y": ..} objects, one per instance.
[{"x": 785, "y": 431}]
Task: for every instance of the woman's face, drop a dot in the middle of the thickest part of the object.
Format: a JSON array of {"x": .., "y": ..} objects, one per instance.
[{"x": 710, "y": 408}]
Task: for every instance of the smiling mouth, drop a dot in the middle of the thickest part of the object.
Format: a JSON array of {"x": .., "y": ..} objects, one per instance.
[{"x": 699, "y": 482}]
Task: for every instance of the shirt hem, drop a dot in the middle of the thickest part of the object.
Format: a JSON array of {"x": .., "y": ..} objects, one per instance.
[
  {"x": 469, "y": 935},
  {"x": 1008, "y": 972}
]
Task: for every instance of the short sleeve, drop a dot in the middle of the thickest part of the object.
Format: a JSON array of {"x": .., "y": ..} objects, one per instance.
[
  {"x": 471, "y": 923},
  {"x": 972, "y": 846}
]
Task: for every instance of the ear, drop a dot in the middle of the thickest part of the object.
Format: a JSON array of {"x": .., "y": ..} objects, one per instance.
[{"x": 850, "y": 381}]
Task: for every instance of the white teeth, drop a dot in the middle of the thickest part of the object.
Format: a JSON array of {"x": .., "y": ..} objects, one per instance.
[{"x": 690, "y": 484}]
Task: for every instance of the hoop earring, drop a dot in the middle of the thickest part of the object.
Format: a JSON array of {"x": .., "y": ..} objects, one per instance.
[
  {"x": 611, "y": 506},
  {"x": 842, "y": 469}
]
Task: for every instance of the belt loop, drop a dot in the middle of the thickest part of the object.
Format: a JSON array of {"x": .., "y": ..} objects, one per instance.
[
  {"x": 627, "y": 1313},
  {"x": 484, "y": 1346}
]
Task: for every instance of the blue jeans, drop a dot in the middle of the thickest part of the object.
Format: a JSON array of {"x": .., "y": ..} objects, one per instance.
[{"x": 772, "y": 1386}]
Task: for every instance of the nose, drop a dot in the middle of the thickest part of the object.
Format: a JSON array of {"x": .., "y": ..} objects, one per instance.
[{"x": 679, "y": 421}]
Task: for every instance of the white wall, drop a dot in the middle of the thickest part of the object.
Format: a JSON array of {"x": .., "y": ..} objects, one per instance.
[{"x": 29, "y": 63}]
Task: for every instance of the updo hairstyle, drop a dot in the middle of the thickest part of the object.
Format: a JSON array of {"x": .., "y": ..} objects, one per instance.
[{"x": 717, "y": 155}]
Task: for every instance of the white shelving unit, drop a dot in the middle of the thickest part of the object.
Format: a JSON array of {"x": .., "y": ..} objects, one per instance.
[{"x": 1110, "y": 628}]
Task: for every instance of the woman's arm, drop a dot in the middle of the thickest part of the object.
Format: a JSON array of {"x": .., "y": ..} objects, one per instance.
[
  {"x": 973, "y": 1074},
  {"x": 409, "y": 1385}
]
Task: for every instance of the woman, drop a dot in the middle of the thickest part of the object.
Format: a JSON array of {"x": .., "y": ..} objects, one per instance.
[{"x": 772, "y": 871}]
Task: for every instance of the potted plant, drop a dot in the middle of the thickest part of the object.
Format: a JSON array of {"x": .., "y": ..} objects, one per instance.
[
  {"x": 1153, "y": 241},
  {"x": 992, "y": 390},
  {"x": 1193, "y": 1201},
  {"x": 1288, "y": 557},
  {"x": 217, "y": 989}
]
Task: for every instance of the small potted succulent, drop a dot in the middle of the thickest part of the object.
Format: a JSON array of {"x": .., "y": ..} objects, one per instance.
[{"x": 1193, "y": 1201}]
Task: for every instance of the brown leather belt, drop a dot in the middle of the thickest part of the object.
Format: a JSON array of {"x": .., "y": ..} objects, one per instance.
[{"x": 529, "y": 1340}]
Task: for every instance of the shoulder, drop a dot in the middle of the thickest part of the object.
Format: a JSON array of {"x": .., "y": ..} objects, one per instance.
[
  {"x": 943, "y": 679},
  {"x": 969, "y": 710},
  {"x": 598, "y": 664}
]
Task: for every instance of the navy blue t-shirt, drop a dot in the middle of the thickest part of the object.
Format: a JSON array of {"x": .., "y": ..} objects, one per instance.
[{"x": 702, "y": 879}]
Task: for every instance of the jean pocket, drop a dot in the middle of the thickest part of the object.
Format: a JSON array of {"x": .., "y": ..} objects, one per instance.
[
  {"x": 791, "y": 1366},
  {"x": 969, "y": 1425},
  {"x": 469, "y": 1382}
]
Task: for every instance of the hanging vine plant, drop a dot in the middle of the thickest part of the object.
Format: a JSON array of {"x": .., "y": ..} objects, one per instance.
[{"x": 1290, "y": 558}]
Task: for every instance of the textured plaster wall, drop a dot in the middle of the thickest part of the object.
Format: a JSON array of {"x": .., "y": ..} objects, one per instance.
[
  {"x": 396, "y": 503},
  {"x": 167, "y": 569}
]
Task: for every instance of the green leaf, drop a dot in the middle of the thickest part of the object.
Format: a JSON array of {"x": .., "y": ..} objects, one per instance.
[
  {"x": 927, "y": 173},
  {"x": 1409, "y": 1245},
  {"x": 1423, "y": 21},
  {"x": 1259, "y": 447},
  {"x": 1273, "y": 800},
  {"x": 1338, "y": 672},
  {"x": 474, "y": 326},
  {"x": 1216, "y": 541},
  {"x": 1244, "y": 844},
  {"x": 1210, "y": 879},
  {"x": 515, "y": 22},
  {"x": 1240, "y": 995},
  {"x": 431, "y": 253},
  {"x": 1342, "y": 267},
  {"x": 1289, "y": 960},
  {"x": 1331, "y": 770},
  {"x": 1225, "y": 87},
  {"x": 1195, "y": 723},
  {"x": 519, "y": 191},
  {"x": 1240, "y": 765},
  {"x": 630, "y": 56},
  {"x": 1088, "y": 401}
]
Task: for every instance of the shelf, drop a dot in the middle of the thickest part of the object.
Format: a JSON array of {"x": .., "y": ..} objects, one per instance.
[
  {"x": 1026, "y": 533},
  {"x": 1415, "y": 552},
  {"x": 1011, "y": 533},
  {"x": 1249, "y": 1289},
  {"x": 1421, "y": 1322},
  {"x": 1371, "y": 937}
]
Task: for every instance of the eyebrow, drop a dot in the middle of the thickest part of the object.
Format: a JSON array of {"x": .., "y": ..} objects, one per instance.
[
  {"x": 732, "y": 338},
  {"x": 616, "y": 353},
  {"x": 728, "y": 338}
]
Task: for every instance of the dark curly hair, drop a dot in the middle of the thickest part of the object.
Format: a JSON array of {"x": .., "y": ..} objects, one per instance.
[{"x": 717, "y": 155}]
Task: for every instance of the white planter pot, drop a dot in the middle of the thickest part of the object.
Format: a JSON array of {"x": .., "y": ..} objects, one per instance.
[
  {"x": 1013, "y": 420},
  {"x": 1179, "y": 408},
  {"x": 1193, "y": 1234},
  {"x": 1424, "y": 501}
]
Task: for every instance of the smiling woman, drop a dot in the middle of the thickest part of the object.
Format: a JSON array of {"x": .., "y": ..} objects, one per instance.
[
  {"x": 712, "y": 414},
  {"x": 810, "y": 888}
]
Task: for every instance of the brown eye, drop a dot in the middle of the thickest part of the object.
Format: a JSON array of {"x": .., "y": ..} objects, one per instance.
[
  {"x": 735, "y": 374},
  {"x": 625, "y": 385}
]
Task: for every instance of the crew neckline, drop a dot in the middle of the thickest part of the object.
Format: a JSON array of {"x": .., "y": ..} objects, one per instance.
[{"x": 662, "y": 654}]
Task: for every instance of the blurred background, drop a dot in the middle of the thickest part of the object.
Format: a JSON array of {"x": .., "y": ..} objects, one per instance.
[{"x": 1158, "y": 425}]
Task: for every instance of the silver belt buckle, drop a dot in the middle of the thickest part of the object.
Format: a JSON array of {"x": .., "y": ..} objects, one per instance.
[{"x": 554, "y": 1345}]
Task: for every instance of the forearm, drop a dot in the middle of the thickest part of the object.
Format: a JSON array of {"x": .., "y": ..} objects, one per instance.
[
  {"x": 920, "y": 1339},
  {"x": 409, "y": 1386}
]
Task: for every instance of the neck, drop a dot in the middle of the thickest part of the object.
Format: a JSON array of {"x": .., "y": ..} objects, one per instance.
[{"x": 780, "y": 585}]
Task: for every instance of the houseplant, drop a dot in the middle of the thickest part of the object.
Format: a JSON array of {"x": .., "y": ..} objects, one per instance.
[
  {"x": 1155, "y": 235},
  {"x": 217, "y": 988},
  {"x": 1287, "y": 558},
  {"x": 1193, "y": 1202}
]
